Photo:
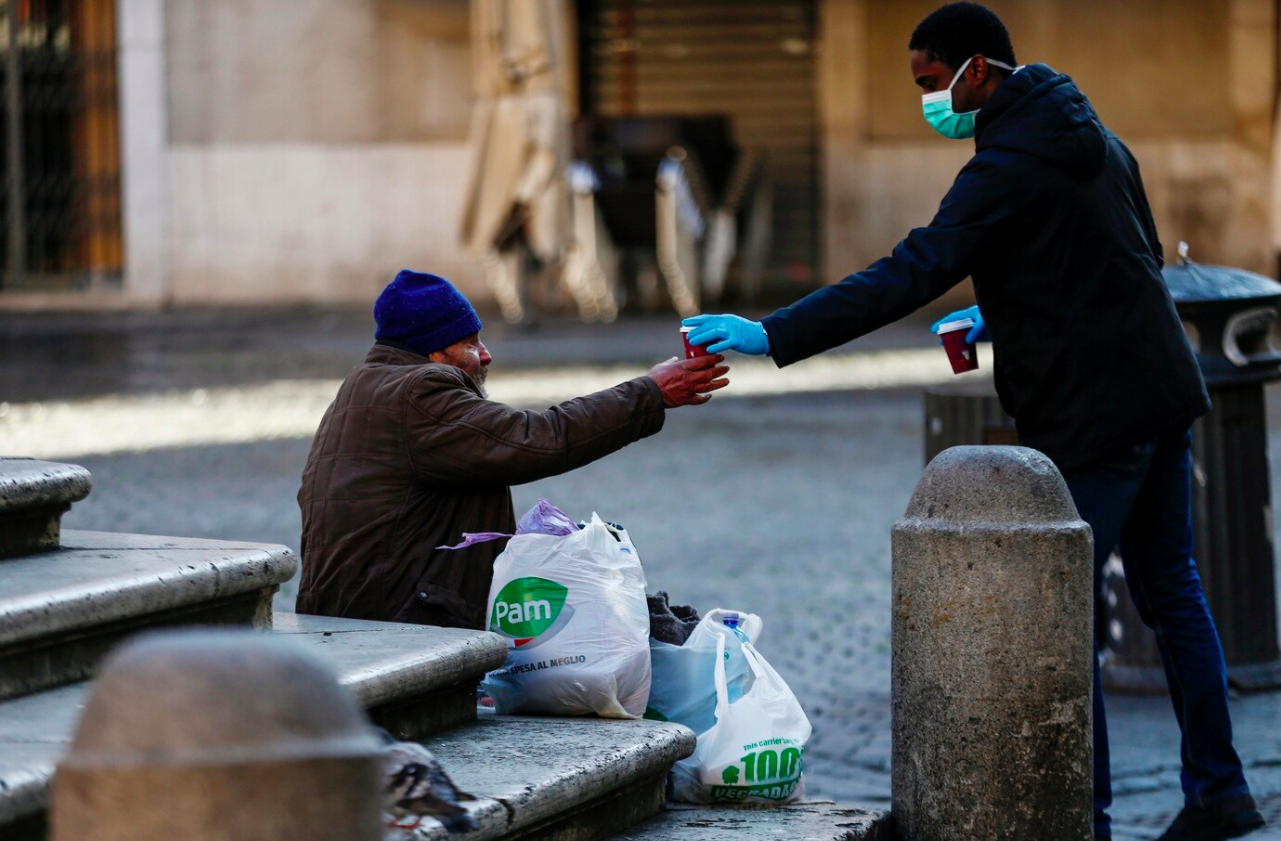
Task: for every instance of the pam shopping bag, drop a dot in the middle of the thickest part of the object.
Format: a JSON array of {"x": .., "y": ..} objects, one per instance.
[
  {"x": 754, "y": 752},
  {"x": 572, "y": 607},
  {"x": 683, "y": 685}
]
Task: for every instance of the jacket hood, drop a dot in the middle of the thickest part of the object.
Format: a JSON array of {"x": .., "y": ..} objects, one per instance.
[{"x": 1042, "y": 113}]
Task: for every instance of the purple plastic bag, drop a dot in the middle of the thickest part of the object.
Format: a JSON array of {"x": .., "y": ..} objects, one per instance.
[{"x": 543, "y": 518}]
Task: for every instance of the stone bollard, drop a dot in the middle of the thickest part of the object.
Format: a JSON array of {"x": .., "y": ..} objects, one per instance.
[
  {"x": 218, "y": 735},
  {"x": 992, "y": 671}
]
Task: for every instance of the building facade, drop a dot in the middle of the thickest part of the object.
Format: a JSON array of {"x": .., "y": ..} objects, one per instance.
[{"x": 279, "y": 153}]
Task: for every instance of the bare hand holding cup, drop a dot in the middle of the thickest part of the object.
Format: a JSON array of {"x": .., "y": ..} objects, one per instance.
[{"x": 688, "y": 382}]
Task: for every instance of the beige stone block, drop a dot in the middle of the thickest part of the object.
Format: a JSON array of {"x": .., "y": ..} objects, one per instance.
[
  {"x": 209, "y": 736},
  {"x": 992, "y": 635}
]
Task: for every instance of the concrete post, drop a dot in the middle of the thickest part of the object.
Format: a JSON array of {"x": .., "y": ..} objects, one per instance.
[
  {"x": 992, "y": 653},
  {"x": 218, "y": 735}
]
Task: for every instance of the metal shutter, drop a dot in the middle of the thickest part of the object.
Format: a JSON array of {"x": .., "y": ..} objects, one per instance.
[{"x": 751, "y": 60}]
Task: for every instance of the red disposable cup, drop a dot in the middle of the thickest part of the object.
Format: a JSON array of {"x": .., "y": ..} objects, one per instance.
[
  {"x": 962, "y": 354},
  {"x": 692, "y": 351}
]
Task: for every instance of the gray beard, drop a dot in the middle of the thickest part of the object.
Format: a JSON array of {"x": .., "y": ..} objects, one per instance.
[{"x": 479, "y": 379}]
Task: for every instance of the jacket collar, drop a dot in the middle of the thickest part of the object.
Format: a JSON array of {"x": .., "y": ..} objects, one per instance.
[
  {"x": 381, "y": 354},
  {"x": 1012, "y": 92},
  {"x": 1041, "y": 113}
]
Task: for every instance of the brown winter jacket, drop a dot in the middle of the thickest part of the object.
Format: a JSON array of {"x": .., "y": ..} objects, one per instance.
[{"x": 409, "y": 457}]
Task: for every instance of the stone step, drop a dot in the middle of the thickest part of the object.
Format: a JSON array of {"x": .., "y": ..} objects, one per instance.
[
  {"x": 415, "y": 680},
  {"x": 411, "y": 678},
  {"x": 554, "y": 779},
  {"x": 812, "y": 821},
  {"x": 33, "y": 497},
  {"x": 61, "y": 610}
]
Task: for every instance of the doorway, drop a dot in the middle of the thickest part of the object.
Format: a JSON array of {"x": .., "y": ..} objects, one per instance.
[
  {"x": 751, "y": 61},
  {"x": 60, "y": 168}
]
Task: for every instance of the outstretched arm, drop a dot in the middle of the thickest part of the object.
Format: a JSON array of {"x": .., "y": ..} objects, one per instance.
[
  {"x": 927, "y": 263},
  {"x": 456, "y": 437}
]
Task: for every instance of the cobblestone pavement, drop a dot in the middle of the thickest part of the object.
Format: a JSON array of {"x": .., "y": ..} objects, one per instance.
[{"x": 777, "y": 505}]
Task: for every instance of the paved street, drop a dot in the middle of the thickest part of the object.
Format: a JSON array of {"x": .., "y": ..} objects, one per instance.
[{"x": 778, "y": 504}]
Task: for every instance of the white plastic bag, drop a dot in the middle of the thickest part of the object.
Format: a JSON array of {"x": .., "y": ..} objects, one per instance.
[
  {"x": 754, "y": 751},
  {"x": 573, "y": 610},
  {"x": 745, "y": 627},
  {"x": 683, "y": 687}
]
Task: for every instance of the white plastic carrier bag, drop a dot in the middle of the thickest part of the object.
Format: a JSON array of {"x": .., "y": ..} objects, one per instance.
[
  {"x": 572, "y": 607},
  {"x": 754, "y": 752},
  {"x": 683, "y": 687}
]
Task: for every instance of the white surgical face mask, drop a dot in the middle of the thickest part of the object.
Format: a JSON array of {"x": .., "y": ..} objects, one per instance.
[{"x": 938, "y": 108}]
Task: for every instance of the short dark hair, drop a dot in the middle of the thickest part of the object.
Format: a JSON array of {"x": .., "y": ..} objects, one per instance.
[{"x": 955, "y": 32}]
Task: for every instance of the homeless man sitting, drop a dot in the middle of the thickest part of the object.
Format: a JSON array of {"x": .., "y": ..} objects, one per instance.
[{"x": 411, "y": 454}]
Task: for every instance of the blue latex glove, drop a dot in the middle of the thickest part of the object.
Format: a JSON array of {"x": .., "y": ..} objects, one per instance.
[
  {"x": 978, "y": 333},
  {"x": 728, "y": 332}
]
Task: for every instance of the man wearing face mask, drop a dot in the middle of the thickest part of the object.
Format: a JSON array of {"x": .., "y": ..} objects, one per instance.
[{"x": 1051, "y": 221}]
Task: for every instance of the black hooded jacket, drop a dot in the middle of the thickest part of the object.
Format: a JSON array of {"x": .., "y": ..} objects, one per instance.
[{"x": 1050, "y": 219}]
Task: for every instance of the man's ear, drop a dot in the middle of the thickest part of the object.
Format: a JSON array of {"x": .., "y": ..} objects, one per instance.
[{"x": 978, "y": 71}]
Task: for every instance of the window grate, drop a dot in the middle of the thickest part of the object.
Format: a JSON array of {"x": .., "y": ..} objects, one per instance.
[{"x": 60, "y": 171}]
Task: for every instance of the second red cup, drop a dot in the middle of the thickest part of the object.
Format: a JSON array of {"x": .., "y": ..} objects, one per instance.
[
  {"x": 692, "y": 351},
  {"x": 962, "y": 354}
]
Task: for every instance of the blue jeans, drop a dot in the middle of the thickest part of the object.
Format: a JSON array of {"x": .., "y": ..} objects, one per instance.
[{"x": 1140, "y": 501}]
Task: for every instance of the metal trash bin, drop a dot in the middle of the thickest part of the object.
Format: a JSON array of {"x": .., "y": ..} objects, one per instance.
[
  {"x": 1231, "y": 319},
  {"x": 965, "y": 412}
]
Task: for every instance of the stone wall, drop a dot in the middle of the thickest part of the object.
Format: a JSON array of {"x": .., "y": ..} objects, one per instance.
[
  {"x": 313, "y": 222},
  {"x": 318, "y": 71},
  {"x": 315, "y": 147}
]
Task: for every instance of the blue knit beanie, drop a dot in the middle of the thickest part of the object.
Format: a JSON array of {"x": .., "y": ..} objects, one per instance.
[{"x": 423, "y": 313}]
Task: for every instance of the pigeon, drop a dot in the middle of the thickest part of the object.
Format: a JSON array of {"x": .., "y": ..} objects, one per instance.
[{"x": 418, "y": 787}]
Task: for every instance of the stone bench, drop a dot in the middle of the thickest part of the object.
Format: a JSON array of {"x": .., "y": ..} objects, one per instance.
[
  {"x": 411, "y": 679},
  {"x": 33, "y": 497}
]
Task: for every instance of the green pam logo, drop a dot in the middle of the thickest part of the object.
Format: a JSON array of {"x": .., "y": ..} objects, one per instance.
[{"x": 526, "y": 607}]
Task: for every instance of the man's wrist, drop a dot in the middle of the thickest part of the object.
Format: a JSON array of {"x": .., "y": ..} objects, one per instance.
[{"x": 657, "y": 390}]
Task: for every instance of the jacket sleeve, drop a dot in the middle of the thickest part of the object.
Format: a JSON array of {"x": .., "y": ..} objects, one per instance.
[
  {"x": 927, "y": 263},
  {"x": 458, "y": 438}
]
